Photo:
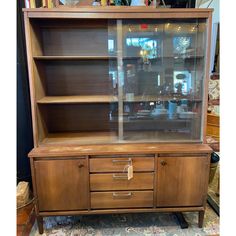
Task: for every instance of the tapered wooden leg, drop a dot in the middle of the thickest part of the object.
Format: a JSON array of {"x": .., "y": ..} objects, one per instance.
[
  {"x": 40, "y": 224},
  {"x": 200, "y": 218}
]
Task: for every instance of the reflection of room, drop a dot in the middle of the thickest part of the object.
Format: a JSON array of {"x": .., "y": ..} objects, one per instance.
[{"x": 167, "y": 45}]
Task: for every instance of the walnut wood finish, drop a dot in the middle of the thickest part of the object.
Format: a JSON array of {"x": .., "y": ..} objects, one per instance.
[
  {"x": 117, "y": 12},
  {"x": 40, "y": 224},
  {"x": 119, "y": 181},
  {"x": 116, "y": 149},
  {"x": 77, "y": 117},
  {"x": 80, "y": 138},
  {"x": 121, "y": 199},
  {"x": 82, "y": 77},
  {"x": 77, "y": 99},
  {"x": 182, "y": 181},
  {"x": 119, "y": 164},
  {"x": 119, "y": 211},
  {"x": 62, "y": 184},
  {"x": 70, "y": 58},
  {"x": 207, "y": 76},
  {"x": 200, "y": 218}
]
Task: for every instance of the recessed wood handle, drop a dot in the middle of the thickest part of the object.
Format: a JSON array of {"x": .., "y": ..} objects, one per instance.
[{"x": 163, "y": 163}]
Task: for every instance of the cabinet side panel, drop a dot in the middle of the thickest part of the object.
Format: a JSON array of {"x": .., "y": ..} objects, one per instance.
[
  {"x": 207, "y": 75},
  {"x": 31, "y": 78}
]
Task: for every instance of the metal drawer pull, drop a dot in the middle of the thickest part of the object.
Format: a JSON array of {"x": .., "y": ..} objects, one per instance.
[
  {"x": 122, "y": 195},
  {"x": 120, "y": 176},
  {"x": 117, "y": 161}
]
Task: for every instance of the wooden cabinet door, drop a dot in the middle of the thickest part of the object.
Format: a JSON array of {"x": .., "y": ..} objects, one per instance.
[
  {"x": 62, "y": 184},
  {"x": 182, "y": 181}
]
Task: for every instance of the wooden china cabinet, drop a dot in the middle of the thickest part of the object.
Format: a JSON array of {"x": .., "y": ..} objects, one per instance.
[{"x": 119, "y": 101}]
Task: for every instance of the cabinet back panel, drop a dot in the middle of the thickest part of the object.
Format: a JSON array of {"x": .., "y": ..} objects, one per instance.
[
  {"x": 77, "y": 78},
  {"x": 73, "y": 37},
  {"x": 75, "y": 118}
]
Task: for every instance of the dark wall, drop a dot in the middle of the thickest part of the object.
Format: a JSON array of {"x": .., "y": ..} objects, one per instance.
[{"x": 24, "y": 125}]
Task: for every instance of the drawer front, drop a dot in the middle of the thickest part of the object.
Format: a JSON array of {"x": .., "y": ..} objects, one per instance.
[
  {"x": 124, "y": 199},
  {"x": 119, "y": 181},
  {"x": 118, "y": 164},
  {"x": 213, "y": 120},
  {"x": 213, "y": 130}
]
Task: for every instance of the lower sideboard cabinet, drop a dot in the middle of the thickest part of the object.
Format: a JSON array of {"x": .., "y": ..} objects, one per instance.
[
  {"x": 93, "y": 184},
  {"x": 62, "y": 184},
  {"x": 182, "y": 181}
]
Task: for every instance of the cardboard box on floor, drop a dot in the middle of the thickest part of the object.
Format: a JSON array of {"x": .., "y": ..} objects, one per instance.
[{"x": 22, "y": 193}]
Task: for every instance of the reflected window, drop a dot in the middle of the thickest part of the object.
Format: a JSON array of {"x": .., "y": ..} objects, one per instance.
[
  {"x": 145, "y": 47},
  {"x": 181, "y": 44},
  {"x": 111, "y": 45}
]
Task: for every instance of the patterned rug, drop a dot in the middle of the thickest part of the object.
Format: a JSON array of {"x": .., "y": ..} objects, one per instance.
[{"x": 144, "y": 224}]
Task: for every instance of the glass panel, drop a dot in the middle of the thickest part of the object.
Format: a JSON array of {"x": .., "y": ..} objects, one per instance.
[
  {"x": 163, "y": 65},
  {"x": 113, "y": 77}
]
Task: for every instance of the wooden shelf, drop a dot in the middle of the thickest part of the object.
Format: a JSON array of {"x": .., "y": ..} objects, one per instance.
[
  {"x": 77, "y": 99},
  {"x": 74, "y": 58},
  {"x": 157, "y": 136},
  {"x": 82, "y": 138},
  {"x": 79, "y": 138},
  {"x": 103, "y": 99},
  {"x": 106, "y": 57},
  {"x": 147, "y": 98},
  {"x": 156, "y": 121}
]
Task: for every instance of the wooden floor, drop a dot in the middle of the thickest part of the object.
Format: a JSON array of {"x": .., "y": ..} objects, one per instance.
[{"x": 25, "y": 219}]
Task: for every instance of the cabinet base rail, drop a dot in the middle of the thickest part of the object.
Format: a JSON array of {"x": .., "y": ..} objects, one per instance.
[{"x": 177, "y": 211}]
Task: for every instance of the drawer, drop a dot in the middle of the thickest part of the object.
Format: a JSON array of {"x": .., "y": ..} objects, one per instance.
[
  {"x": 212, "y": 119},
  {"x": 124, "y": 199},
  {"x": 118, "y": 164},
  {"x": 119, "y": 181},
  {"x": 213, "y": 130}
]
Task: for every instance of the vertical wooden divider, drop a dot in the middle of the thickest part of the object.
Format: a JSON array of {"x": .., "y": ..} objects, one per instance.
[{"x": 120, "y": 78}]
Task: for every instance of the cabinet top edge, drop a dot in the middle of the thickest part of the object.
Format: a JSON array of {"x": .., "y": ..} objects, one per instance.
[
  {"x": 118, "y": 149},
  {"x": 117, "y": 9}
]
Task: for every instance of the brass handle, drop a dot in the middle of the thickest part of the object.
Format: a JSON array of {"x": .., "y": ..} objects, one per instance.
[
  {"x": 120, "y": 160},
  {"x": 120, "y": 176},
  {"x": 80, "y": 165},
  {"x": 163, "y": 163},
  {"x": 121, "y": 195}
]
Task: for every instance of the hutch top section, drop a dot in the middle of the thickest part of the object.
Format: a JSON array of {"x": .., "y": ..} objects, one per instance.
[
  {"x": 117, "y": 12},
  {"x": 101, "y": 75}
]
